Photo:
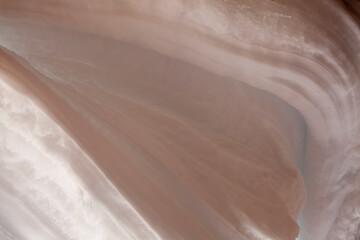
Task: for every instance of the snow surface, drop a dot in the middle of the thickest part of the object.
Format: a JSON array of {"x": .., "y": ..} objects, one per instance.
[{"x": 175, "y": 119}]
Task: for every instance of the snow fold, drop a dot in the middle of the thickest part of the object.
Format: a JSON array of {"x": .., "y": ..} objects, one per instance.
[{"x": 213, "y": 119}]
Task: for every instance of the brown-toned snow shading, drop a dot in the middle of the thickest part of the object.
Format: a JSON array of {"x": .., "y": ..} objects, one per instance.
[{"x": 178, "y": 120}]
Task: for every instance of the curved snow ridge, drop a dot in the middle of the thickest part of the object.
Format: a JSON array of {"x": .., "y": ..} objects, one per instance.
[
  {"x": 304, "y": 53},
  {"x": 210, "y": 155}
]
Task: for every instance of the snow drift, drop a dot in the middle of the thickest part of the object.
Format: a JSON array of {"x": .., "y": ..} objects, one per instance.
[{"x": 175, "y": 119}]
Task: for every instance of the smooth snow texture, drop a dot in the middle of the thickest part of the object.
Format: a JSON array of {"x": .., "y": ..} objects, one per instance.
[
  {"x": 49, "y": 185},
  {"x": 174, "y": 119}
]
